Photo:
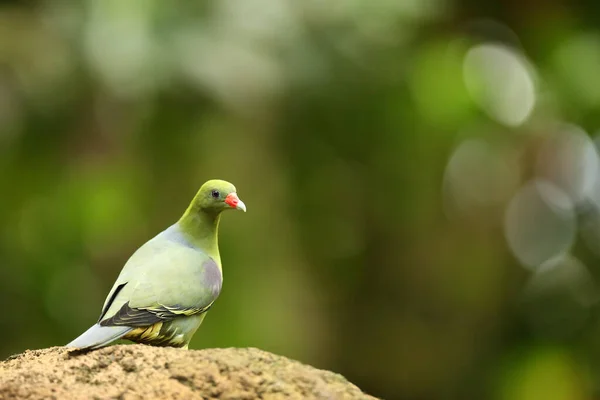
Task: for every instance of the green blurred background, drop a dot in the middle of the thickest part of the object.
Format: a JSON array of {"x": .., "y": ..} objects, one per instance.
[{"x": 421, "y": 179}]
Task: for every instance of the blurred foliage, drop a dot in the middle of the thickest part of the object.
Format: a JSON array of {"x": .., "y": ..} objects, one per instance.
[{"x": 421, "y": 180}]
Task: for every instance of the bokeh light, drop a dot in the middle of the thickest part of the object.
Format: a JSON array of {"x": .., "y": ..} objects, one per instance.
[
  {"x": 480, "y": 174},
  {"x": 569, "y": 158},
  {"x": 501, "y": 82},
  {"x": 540, "y": 223}
]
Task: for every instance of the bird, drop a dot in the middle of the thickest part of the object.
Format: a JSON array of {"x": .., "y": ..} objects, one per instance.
[{"x": 166, "y": 287}]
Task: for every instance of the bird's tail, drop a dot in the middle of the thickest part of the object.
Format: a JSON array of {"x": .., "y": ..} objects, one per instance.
[{"x": 98, "y": 336}]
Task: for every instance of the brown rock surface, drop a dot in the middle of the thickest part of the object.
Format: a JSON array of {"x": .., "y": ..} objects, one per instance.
[{"x": 142, "y": 372}]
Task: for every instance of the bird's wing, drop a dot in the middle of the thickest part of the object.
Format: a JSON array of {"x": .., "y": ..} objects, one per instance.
[
  {"x": 149, "y": 315},
  {"x": 163, "y": 280}
]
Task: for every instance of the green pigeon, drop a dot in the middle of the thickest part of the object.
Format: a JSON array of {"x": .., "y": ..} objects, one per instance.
[{"x": 166, "y": 287}]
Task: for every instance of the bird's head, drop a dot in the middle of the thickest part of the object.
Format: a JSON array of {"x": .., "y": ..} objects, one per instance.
[{"x": 217, "y": 195}]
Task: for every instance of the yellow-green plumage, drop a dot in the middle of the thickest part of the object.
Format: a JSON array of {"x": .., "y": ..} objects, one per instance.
[{"x": 165, "y": 289}]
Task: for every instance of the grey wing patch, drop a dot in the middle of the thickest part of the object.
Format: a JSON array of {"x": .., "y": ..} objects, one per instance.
[
  {"x": 212, "y": 279},
  {"x": 146, "y": 316}
]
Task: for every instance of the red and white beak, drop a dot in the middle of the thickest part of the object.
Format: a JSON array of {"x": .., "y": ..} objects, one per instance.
[{"x": 234, "y": 201}]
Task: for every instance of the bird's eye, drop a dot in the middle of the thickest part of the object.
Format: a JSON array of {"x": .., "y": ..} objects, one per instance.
[{"x": 215, "y": 194}]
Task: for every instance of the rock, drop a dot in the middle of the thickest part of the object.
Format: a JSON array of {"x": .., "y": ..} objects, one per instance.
[{"x": 131, "y": 372}]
